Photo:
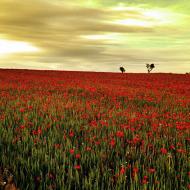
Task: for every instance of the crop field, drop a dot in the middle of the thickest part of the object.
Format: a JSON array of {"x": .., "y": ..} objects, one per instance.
[{"x": 95, "y": 131}]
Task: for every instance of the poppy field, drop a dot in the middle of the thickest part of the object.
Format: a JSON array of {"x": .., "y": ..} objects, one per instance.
[{"x": 85, "y": 130}]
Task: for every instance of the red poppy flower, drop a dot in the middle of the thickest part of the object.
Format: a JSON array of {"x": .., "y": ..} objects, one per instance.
[
  {"x": 22, "y": 127},
  {"x": 163, "y": 150},
  {"x": 71, "y": 151},
  {"x": 112, "y": 142},
  {"x": 22, "y": 110},
  {"x": 57, "y": 146},
  {"x": 145, "y": 180},
  {"x": 151, "y": 170},
  {"x": 135, "y": 170},
  {"x": 77, "y": 156},
  {"x": 172, "y": 147},
  {"x": 71, "y": 134},
  {"x": 120, "y": 134},
  {"x": 88, "y": 148},
  {"x": 39, "y": 131},
  {"x": 122, "y": 170},
  {"x": 77, "y": 167}
]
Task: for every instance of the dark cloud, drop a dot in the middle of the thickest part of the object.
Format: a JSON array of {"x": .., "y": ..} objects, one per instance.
[{"x": 40, "y": 19}]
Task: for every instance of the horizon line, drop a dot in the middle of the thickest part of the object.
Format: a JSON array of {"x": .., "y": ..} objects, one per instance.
[{"x": 25, "y": 69}]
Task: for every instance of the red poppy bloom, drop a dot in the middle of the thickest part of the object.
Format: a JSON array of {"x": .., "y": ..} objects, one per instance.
[
  {"x": 22, "y": 110},
  {"x": 135, "y": 170},
  {"x": 151, "y": 170},
  {"x": 71, "y": 151},
  {"x": 122, "y": 170},
  {"x": 57, "y": 146},
  {"x": 97, "y": 142},
  {"x": 163, "y": 150},
  {"x": 120, "y": 134},
  {"x": 172, "y": 147},
  {"x": 88, "y": 148},
  {"x": 180, "y": 150},
  {"x": 112, "y": 142},
  {"x": 30, "y": 107},
  {"x": 39, "y": 131},
  {"x": 71, "y": 134},
  {"x": 145, "y": 180},
  {"x": 128, "y": 166},
  {"x": 77, "y": 156},
  {"x": 77, "y": 167},
  {"x": 22, "y": 127},
  {"x": 34, "y": 132}
]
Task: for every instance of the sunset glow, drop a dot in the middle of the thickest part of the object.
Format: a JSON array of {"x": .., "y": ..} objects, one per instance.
[
  {"x": 133, "y": 22},
  {"x": 10, "y": 47}
]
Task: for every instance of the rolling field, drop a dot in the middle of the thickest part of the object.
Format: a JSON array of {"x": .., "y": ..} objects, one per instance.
[{"x": 85, "y": 130}]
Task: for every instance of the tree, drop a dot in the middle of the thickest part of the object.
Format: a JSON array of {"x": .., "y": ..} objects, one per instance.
[
  {"x": 150, "y": 67},
  {"x": 122, "y": 69}
]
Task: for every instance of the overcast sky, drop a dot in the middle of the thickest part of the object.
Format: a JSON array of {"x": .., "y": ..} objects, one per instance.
[{"x": 95, "y": 35}]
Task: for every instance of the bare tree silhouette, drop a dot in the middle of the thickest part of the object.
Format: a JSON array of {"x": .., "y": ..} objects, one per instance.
[
  {"x": 122, "y": 69},
  {"x": 150, "y": 67}
]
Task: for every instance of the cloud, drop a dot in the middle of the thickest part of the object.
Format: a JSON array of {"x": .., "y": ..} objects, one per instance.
[{"x": 59, "y": 28}]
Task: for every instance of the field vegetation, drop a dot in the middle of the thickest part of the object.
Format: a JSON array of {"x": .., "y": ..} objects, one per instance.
[{"x": 85, "y": 130}]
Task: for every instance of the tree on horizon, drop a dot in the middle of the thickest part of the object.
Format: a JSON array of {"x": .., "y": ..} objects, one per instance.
[
  {"x": 122, "y": 69},
  {"x": 150, "y": 67}
]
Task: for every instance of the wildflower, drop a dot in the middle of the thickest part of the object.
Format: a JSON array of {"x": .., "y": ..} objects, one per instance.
[
  {"x": 120, "y": 134},
  {"x": 22, "y": 110},
  {"x": 172, "y": 147},
  {"x": 39, "y": 131},
  {"x": 71, "y": 151},
  {"x": 36, "y": 140},
  {"x": 145, "y": 180},
  {"x": 136, "y": 139},
  {"x": 179, "y": 144},
  {"x": 64, "y": 137},
  {"x": 30, "y": 107},
  {"x": 93, "y": 123},
  {"x": 135, "y": 170},
  {"x": 122, "y": 170},
  {"x": 71, "y": 134},
  {"x": 163, "y": 150},
  {"x": 151, "y": 170},
  {"x": 181, "y": 150},
  {"x": 77, "y": 167},
  {"x": 77, "y": 156},
  {"x": 22, "y": 127},
  {"x": 34, "y": 132},
  {"x": 149, "y": 134},
  {"x": 88, "y": 148},
  {"x": 57, "y": 146},
  {"x": 112, "y": 142},
  {"x": 97, "y": 142}
]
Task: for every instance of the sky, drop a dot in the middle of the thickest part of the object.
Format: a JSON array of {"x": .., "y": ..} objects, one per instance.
[{"x": 95, "y": 35}]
